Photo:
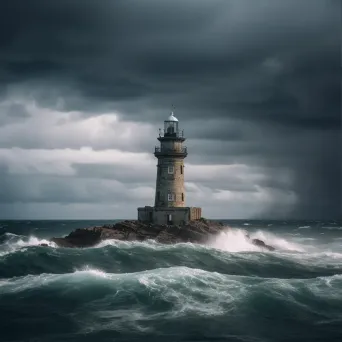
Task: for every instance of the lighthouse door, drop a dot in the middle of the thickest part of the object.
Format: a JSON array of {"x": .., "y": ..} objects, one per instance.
[{"x": 169, "y": 219}]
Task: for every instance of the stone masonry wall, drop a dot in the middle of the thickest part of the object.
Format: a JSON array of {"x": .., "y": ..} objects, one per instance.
[
  {"x": 168, "y": 182},
  {"x": 179, "y": 216},
  {"x": 195, "y": 213}
]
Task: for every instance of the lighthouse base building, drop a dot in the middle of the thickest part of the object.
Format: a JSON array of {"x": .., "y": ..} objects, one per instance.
[
  {"x": 169, "y": 206},
  {"x": 169, "y": 216}
]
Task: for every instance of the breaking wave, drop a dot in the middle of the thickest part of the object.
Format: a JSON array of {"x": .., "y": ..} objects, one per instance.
[
  {"x": 169, "y": 300},
  {"x": 235, "y": 240},
  {"x": 11, "y": 243}
]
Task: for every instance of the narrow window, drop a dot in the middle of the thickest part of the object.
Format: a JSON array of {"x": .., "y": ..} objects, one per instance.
[
  {"x": 181, "y": 169},
  {"x": 170, "y": 197},
  {"x": 182, "y": 197},
  {"x": 158, "y": 195},
  {"x": 170, "y": 170}
]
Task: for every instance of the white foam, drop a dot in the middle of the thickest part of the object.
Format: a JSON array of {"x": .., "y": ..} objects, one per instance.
[
  {"x": 149, "y": 244},
  {"x": 92, "y": 271},
  {"x": 278, "y": 242},
  {"x": 15, "y": 243},
  {"x": 124, "y": 244},
  {"x": 232, "y": 240},
  {"x": 34, "y": 241},
  {"x": 235, "y": 240},
  {"x": 18, "y": 284}
]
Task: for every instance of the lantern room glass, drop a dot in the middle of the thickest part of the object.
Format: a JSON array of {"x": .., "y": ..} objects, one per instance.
[{"x": 170, "y": 127}]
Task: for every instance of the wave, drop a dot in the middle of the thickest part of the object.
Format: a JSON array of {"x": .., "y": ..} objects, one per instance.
[
  {"x": 11, "y": 243},
  {"x": 228, "y": 289},
  {"x": 228, "y": 253},
  {"x": 123, "y": 257},
  {"x": 177, "y": 278},
  {"x": 235, "y": 240},
  {"x": 145, "y": 300}
]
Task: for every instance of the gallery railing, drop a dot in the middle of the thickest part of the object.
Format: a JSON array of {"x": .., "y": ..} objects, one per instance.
[
  {"x": 173, "y": 134},
  {"x": 171, "y": 151}
]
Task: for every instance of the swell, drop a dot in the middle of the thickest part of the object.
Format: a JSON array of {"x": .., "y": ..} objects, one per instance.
[
  {"x": 228, "y": 290},
  {"x": 126, "y": 257},
  {"x": 170, "y": 300}
]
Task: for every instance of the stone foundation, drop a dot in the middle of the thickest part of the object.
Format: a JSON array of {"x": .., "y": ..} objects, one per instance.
[{"x": 169, "y": 216}]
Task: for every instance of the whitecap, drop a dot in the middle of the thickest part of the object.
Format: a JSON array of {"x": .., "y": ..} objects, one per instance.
[
  {"x": 16, "y": 243},
  {"x": 232, "y": 240},
  {"x": 235, "y": 240},
  {"x": 278, "y": 242}
]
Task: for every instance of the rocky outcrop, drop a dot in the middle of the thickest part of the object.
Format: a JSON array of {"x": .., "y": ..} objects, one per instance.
[{"x": 195, "y": 231}]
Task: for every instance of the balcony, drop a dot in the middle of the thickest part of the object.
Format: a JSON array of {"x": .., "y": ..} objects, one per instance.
[
  {"x": 171, "y": 134},
  {"x": 179, "y": 152}
]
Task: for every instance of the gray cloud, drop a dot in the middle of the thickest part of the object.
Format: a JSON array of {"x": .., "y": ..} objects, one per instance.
[
  {"x": 253, "y": 83},
  {"x": 12, "y": 113}
]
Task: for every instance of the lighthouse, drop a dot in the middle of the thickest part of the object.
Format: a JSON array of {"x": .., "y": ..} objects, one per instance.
[
  {"x": 169, "y": 203},
  {"x": 170, "y": 190}
]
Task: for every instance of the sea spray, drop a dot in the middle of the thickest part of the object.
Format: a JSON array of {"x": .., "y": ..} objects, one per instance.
[
  {"x": 239, "y": 240},
  {"x": 233, "y": 240},
  {"x": 11, "y": 243}
]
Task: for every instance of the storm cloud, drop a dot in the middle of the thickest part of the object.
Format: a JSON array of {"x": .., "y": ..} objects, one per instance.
[{"x": 84, "y": 86}]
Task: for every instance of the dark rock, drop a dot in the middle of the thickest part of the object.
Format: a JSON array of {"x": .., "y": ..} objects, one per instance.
[
  {"x": 194, "y": 231},
  {"x": 262, "y": 244}
]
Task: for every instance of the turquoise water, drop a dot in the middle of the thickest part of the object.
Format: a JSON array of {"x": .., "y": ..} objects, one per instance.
[{"x": 227, "y": 290}]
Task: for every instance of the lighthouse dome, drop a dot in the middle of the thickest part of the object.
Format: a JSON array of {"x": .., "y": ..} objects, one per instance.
[{"x": 172, "y": 117}]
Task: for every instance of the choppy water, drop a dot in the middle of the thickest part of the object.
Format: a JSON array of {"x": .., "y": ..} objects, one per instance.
[{"x": 228, "y": 290}]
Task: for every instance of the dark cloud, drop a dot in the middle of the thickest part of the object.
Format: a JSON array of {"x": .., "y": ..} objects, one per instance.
[{"x": 252, "y": 83}]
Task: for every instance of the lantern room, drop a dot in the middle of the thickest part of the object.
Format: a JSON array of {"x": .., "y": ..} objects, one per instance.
[{"x": 171, "y": 126}]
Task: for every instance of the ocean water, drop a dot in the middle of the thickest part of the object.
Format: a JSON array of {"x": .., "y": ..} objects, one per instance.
[{"x": 226, "y": 290}]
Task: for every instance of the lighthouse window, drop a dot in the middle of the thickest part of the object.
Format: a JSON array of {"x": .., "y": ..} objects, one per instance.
[
  {"x": 182, "y": 196},
  {"x": 170, "y": 197},
  {"x": 181, "y": 169},
  {"x": 171, "y": 170}
]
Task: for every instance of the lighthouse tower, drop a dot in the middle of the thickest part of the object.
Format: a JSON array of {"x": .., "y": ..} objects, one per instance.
[
  {"x": 170, "y": 190},
  {"x": 169, "y": 204}
]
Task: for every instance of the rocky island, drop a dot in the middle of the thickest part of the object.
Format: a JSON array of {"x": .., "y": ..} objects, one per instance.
[
  {"x": 169, "y": 220},
  {"x": 197, "y": 231}
]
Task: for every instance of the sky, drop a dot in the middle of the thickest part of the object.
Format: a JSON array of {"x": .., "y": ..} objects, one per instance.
[{"x": 85, "y": 85}]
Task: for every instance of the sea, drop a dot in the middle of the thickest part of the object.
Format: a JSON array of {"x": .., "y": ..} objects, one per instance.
[{"x": 225, "y": 290}]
